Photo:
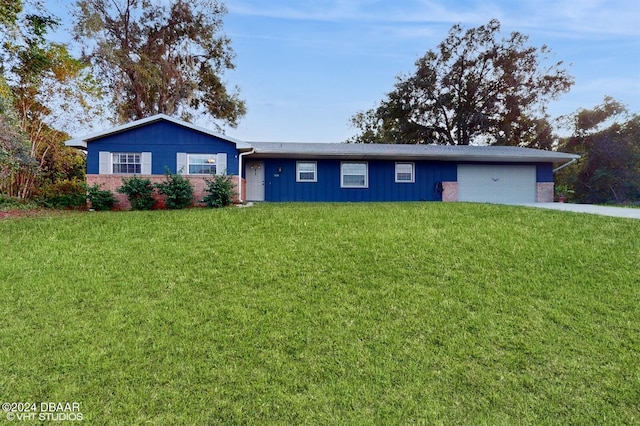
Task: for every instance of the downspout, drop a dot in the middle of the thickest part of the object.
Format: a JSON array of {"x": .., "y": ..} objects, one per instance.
[
  {"x": 242, "y": 154},
  {"x": 565, "y": 165}
]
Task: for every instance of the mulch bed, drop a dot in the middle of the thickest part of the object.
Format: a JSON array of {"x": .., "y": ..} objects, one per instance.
[
  {"x": 15, "y": 214},
  {"x": 12, "y": 214}
]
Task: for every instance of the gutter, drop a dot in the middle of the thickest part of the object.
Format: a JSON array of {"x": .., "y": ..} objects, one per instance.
[
  {"x": 565, "y": 165},
  {"x": 242, "y": 154}
]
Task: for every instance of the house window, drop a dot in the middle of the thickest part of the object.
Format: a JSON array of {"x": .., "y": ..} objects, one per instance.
[
  {"x": 306, "y": 171},
  {"x": 405, "y": 173},
  {"x": 126, "y": 163},
  {"x": 354, "y": 175},
  {"x": 202, "y": 164}
]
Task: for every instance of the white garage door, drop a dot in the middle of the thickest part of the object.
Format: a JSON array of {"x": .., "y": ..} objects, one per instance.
[{"x": 496, "y": 184}]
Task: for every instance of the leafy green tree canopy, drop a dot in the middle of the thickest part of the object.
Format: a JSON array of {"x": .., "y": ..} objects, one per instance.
[
  {"x": 9, "y": 11},
  {"x": 45, "y": 85},
  {"x": 15, "y": 157},
  {"x": 160, "y": 59},
  {"x": 474, "y": 88},
  {"x": 608, "y": 140}
]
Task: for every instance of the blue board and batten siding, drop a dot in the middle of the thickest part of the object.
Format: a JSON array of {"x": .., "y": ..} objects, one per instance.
[
  {"x": 544, "y": 172},
  {"x": 164, "y": 140},
  {"x": 281, "y": 184}
]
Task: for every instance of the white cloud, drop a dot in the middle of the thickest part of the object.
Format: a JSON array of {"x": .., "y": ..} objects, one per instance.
[
  {"x": 361, "y": 11},
  {"x": 571, "y": 18},
  {"x": 576, "y": 18}
]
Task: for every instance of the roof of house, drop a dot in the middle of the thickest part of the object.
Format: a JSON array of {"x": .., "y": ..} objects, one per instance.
[
  {"x": 81, "y": 142},
  {"x": 352, "y": 151},
  {"x": 407, "y": 152}
]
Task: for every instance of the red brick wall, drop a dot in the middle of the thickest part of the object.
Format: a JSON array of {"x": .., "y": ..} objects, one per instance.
[
  {"x": 544, "y": 192},
  {"x": 113, "y": 182},
  {"x": 449, "y": 191}
]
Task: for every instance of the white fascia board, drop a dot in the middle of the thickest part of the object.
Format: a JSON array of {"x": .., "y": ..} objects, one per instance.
[
  {"x": 404, "y": 152},
  {"x": 77, "y": 143},
  {"x": 505, "y": 158}
]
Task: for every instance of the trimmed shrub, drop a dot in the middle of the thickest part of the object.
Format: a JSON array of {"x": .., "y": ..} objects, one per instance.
[
  {"x": 14, "y": 203},
  {"x": 100, "y": 199},
  {"x": 177, "y": 189},
  {"x": 64, "y": 194},
  {"x": 220, "y": 191},
  {"x": 139, "y": 192}
]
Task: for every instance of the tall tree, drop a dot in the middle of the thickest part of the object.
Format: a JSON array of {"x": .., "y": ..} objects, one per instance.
[
  {"x": 608, "y": 140},
  {"x": 160, "y": 59},
  {"x": 44, "y": 82},
  {"x": 474, "y": 88},
  {"x": 16, "y": 160}
]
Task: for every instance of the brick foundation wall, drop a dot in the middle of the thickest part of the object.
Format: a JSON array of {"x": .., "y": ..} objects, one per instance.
[
  {"x": 449, "y": 191},
  {"x": 544, "y": 192},
  {"x": 113, "y": 182}
]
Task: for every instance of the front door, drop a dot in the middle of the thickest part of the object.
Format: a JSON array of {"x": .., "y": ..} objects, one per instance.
[{"x": 254, "y": 173}]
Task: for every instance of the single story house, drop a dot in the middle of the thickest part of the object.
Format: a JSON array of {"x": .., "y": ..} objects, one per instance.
[{"x": 265, "y": 171}]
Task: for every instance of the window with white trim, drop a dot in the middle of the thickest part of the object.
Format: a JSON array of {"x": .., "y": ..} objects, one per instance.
[
  {"x": 201, "y": 164},
  {"x": 306, "y": 171},
  {"x": 354, "y": 175},
  {"x": 405, "y": 173},
  {"x": 126, "y": 162}
]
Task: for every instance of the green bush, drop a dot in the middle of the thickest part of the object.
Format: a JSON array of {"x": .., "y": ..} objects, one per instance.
[
  {"x": 100, "y": 199},
  {"x": 220, "y": 191},
  {"x": 63, "y": 194},
  {"x": 177, "y": 189},
  {"x": 13, "y": 203},
  {"x": 139, "y": 192}
]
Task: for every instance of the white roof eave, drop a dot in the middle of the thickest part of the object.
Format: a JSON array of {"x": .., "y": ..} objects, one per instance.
[{"x": 400, "y": 152}]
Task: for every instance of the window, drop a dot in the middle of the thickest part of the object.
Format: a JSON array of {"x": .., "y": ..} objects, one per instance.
[
  {"x": 306, "y": 171},
  {"x": 354, "y": 175},
  {"x": 126, "y": 163},
  {"x": 404, "y": 173},
  {"x": 202, "y": 164}
]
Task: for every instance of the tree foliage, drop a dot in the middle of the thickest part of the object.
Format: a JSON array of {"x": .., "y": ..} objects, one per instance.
[
  {"x": 9, "y": 11},
  {"x": 44, "y": 84},
  {"x": 609, "y": 143},
  {"x": 15, "y": 156},
  {"x": 474, "y": 88},
  {"x": 160, "y": 59}
]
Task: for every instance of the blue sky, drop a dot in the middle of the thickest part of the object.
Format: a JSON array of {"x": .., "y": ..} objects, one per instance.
[{"x": 305, "y": 67}]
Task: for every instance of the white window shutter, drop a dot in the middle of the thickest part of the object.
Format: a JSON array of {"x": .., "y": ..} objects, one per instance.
[
  {"x": 104, "y": 159},
  {"x": 221, "y": 164},
  {"x": 181, "y": 163},
  {"x": 145, "y": 167}
]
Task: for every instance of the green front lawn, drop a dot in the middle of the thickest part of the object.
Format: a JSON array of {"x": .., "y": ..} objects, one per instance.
[{"x": 417, "y": 313}]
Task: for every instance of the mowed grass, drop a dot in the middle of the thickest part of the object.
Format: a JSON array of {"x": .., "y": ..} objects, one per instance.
[{"x": 425, "y": 313}]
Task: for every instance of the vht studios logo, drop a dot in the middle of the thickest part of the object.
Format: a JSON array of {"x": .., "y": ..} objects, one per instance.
[{"x": 43, "y": 411}]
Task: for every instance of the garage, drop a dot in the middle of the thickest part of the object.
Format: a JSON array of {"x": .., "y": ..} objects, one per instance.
[{"x": 506, "y": 184}]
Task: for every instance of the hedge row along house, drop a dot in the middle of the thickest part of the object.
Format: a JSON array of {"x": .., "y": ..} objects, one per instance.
[{"x": 311, "y": 172}]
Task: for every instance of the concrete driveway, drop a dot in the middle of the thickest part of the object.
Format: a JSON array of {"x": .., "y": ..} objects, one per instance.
[{"x": 631, "y": 213}]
